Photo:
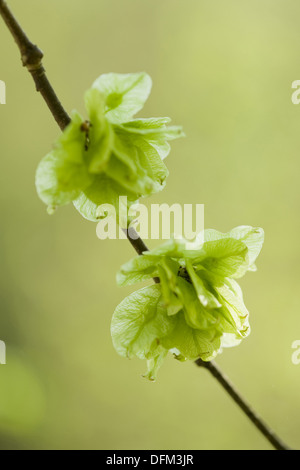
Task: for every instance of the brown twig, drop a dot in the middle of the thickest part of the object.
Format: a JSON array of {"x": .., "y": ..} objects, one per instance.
[
  {"x": 136, "y": 241},
  {"x": 246, "y": 408},
  {"x": 32, "y": 57}
]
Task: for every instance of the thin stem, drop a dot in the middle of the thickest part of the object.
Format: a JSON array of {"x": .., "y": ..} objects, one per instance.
[
  {"x": 239, "y": 400},
  {"x": 136, "y": 241},
  {"x": 32, "y": 59}
]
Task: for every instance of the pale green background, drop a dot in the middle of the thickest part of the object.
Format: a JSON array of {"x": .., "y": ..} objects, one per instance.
[{"x": 223, "y": 69}]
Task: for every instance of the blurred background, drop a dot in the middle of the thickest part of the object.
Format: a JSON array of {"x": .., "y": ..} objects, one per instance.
[{"x": 224, "y": 71}]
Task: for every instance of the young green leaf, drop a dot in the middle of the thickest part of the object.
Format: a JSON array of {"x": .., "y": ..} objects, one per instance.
[
  {"x": 124, "y": 94},
  {"x": 206, "y": 297},
  {"x": 109, "y": 155},
  {"x": 138, "y": 326},
  {"x": 197, "y": 291},
  {"x": 136, "y": 270},
  {"x": 102, "y": 191},
  {"x": 63, "y": 174},
  {"x": 192, "y": 343}
]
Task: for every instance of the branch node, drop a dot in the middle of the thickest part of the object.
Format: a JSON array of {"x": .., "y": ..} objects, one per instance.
[
  {"x": 200, "y": 363},
  {"x": 31, "y": 56}
]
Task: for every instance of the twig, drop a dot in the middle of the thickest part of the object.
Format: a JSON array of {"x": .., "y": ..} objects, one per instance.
[
  {"x": 236, "y": 396},
  {"x": 136, "y": 241},
  {"x": 32, "y": 59}
]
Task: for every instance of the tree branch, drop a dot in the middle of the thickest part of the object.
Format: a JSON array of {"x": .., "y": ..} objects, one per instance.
[
  {"x": 136, "y": 241},
  {"x": 239, "y": 400},
  {"x": 32, "y": 57}
]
